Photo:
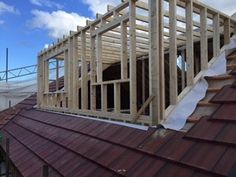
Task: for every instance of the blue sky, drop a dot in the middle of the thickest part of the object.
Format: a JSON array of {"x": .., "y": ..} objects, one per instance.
[{"x": 27, "y": 25}]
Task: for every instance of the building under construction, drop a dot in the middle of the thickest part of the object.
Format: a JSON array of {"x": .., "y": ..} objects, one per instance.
[{"x": 148, "y": 89}]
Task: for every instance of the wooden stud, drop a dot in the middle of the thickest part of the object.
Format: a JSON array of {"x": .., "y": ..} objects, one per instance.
[
  {"x": 117, "y": 97},
  {"x": 189, "y": 42},
  {"x": 99, "y": 57},
  {"x": 84, "y": 72},
  {"x": 132, "y": 59},
  {"x": 75, "y": 74},
  {"x": 66, "y": 65},
  {"x": 216, "y": 35},
  {"x": 226, "y": 31},
  {"x": 57, "y": 74},
  {"x": 40, "y": 81},
  {"x": 70, "y": 73},
  {"x": 183, "y": 69},
  {"x": 204, "y": 39},
  {"x": 173, "y": 53},
  {"x": 46, "y": 76},
  {"x": 156, "y": 61},
  {"x": 104, "y": 97},
  {"x": 93, "y": 71},
  {"x": 124, "y": 52},
  {"x": 143, "y": 81}
]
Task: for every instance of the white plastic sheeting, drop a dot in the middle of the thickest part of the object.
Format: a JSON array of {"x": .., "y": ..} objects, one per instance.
[
  {"x": 177, "y": 118},
  {"x": 14, "y": 92}
]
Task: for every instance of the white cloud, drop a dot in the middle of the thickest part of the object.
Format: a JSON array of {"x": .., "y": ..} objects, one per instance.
[
  {"x": 5, "y": 8},
  {"x": 46, "y": 3},
  {"x": 100, "y": 6},
  {"x": 228, "y": 7},
  {"x": 2, "y": 22},
  {"x": 57, "y": 23}
]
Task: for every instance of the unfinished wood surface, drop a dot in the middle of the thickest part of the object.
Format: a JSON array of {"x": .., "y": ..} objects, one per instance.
[
  {"x": 93, "y": 72},
  {"x": 104, "y": 97},
  {"x": 124, "y": 51},
  {"x": 125, "y": 35},
  {"x": 132, "y": 58},
  {"x": 216, "y": 35},
  {"x": 173, "y": 54},
  {"x": 204, "y": 39},
  {"x": 189, "y": 42},
  {"x": 142, "y": 109},
  {"x": 75, "y": 74},
  {"x": 227, "y": 31},
  {"x": 84, "y": 73},
  {"x": 99, "y": 57},
  {"x": 117, "y": 97}
]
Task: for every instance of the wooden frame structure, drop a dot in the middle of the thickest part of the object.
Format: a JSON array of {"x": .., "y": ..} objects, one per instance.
[{"x": 160, "y": 30}]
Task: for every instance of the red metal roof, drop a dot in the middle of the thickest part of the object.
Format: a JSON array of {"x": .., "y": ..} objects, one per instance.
[{"x": 74, "y": 146}]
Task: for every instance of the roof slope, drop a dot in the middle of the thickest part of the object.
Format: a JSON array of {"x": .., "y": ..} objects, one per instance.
[{"x": 74, "y": 146}]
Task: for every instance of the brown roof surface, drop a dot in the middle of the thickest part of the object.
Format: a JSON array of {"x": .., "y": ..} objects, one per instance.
[{"x": 74, "y": 146}]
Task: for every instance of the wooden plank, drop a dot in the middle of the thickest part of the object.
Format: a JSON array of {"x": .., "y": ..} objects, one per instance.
[
  {"x": 132, "y": 61},
  {"x": 104, "y": 97},
  {"x": 173, "y": 53},
  {"x": 93, "y": 71},
  {"x": 70, "y": 73},
  {"x": 40, "y": 81},
  {"x": 117, "y": 97},
  {"x": 84, "y": 72},
  {"x": 204, "y": 39},
  {"x": 216, "y": 35},
  {"x": 111, "y": 25},
  {"x": 46, "y": 76},
  {"x": 156, "y": 60},
  {"x": 189, "y": 42},
  {"x": 99, "y": 57},
  {"x": 66, "y": 63},
  {"x": 142, "y": 109},
  {"x": 124, "y": 51},
  {"x": 183, "y": 80},
  {"x": 226, "y": 31},
  {"x": 75, "y": 74},
  {"x": 57, "y": 74},
  {"x": 143, "y": 81}
]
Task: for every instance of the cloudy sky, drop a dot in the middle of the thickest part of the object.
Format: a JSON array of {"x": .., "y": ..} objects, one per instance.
[{"x": 27, "y": 25}]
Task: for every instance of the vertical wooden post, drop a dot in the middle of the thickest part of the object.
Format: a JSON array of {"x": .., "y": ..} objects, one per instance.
[
  {"x": 104, "y": 97},
  {"x": 216, "y": 35},
  {"x": 70, "y": 72},
  {"x": 173, "y": 53},
  {"x": 183, "y": 69},
  {"x": 46, "y": 76},
  {"x": 57, "y": 74},
  {"x": 75, "y": 74},
  {"x": 84, "y": 72},
  {"x": 40, "y": 81},
  {"x": 203, "y": 38},
  {"x": 156, "y": 61},
  {"x": 143, "y": 82},
  {"x": 93, "y": 71},
  {"x": 117, "y": 97},
  {"x": 132, "y": 59},
  {"x": 99, "y": 57},
  {"x": 124, "y": 54},
  {"x": 66, "y": 63},
  {"x": 189, "y": 42},
  {"x": 226, "y": 31}
]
